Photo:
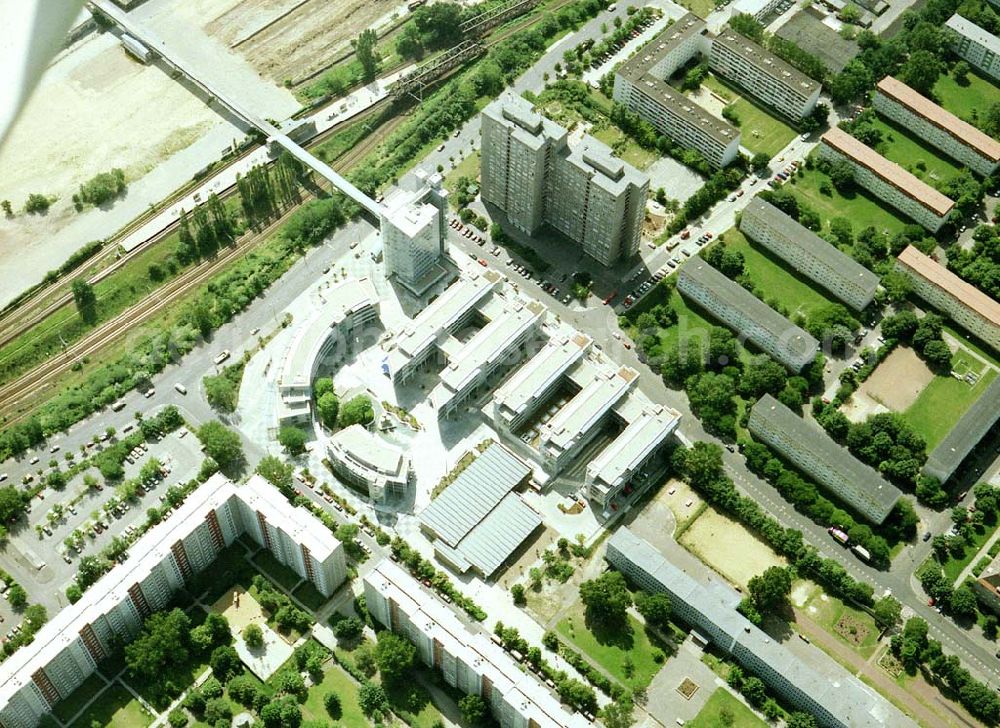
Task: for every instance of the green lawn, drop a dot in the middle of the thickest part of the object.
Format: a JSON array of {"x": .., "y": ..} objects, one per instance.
[
  {"x": 468, "y": 167},
  {"x": 971, "y": 344},
  {"x": 907, "y": 151},
  {"x": 760, "y": 130},
  {"x": 626, "y": 149},
  {"x": 941, "y": 404},
  {"x": 701, "y": 8},
  {"x": 337, "y": 681},
  {"x": 953, "y": 566},
  {"x": 228, "y": 570},
  {"x": 828, "y": 611},
  {"x": 610, "y": 650},
  {"x": 69, "y": 707},
  {"x": 964, "y": 101},
  {"x": 114, "y": 707},
  {"x": 278, "y": 572},
  {"x": 724, "y": 709},
  {"x": 310, "y": 596},
  {"x": 858, "y": 207},
  {"x": 775, "y": 279}
]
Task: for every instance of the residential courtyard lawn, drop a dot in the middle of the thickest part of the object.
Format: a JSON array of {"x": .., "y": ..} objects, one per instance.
[
  {"x": 953, "y": 566},
  {"x": 724, "y": 709},
  {"x": 66, "y": 709},
  {"x": 310, "y": 596},
  {"x": 701, "y": 8},
  {"x": 942, "y": 404},
  {"x": 971, "y": 344},
  {"x": 919, "y": 159},
  {"x": 114, "y": 707},
  {"x": 468, "y": 167},
  {"x": 627, "y": 149},
  {"x": 849, "y": 625},
  {"x": 278, "y": 572},
  {"x": 229, "y": 569},
  {"x": 760, "y": 130},
  {"x": 965, "y": 101},
  {"x": 858, "y": 207},
  {"x": 412, "y": 703},
  {"x": 612, "y": 650},
  {"x": 335, "y": 680},
  {"x": 777, "y": 281}
]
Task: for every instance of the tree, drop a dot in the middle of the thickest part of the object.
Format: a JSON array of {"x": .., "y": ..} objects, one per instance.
[
  {"x": 606, "y": 598},
  {"x": 331, "y": 702},
  {"x": 921, "y": 71},
  {"x": 799, "y": 719},
  {"x": 618, "y": 713},
  {"x": 11, "y": 504},
  {"x": 517, "y": 593},
  {"x": 761, "y": 375},
  {"x": 216, "y": 710},
  {"x": 887, "y": 612},
  {"x": 439, "y": 24},
  {"x": 221, "y": 392},
  {"x": 372, "y": 699},
  {"x": 712, "y": 400},
  {"x": 8, "y": 211},
  {"x": 963, "y": 601},
  {"x": 410, "y": 44},
  {"x": 770, "y": 590},
  {"x": 293, "y": 440},
  {"x": 17, "y": 596},
  {"x": 103, "y": 187},
  {"x": 367, "y": 55},
  {"x": 282, "y": 712},
  {"x": 760, "y": 162},
  {"x": 960, "y": 72},
  {"x": 225, "y": 663},
  {"x": 244, "y": 690},
  {"x": 394, "y": 656},
  {"x": 74, "y": 593},
  {"x": 327, "y": 408},
  {"x": 349, "y": 628},
  {"x": 474, "y": 710},
  {"x": 900, "y": 326},
  {"x": 277, "y": 472},
  {"x": 177, "y": 718},
  {"x": 357, "y": 411},
  {"x": 938, "y": 356},
  {"x": 221, "y": 444},
  {"x": 163, "y": 642},
  {"x": 85, "y": 300},
  {"x": 655, "y": 609},
  {"x": 253, "y": 635},
  {"x": 37, "y": 203},
  {"x": 322, "y": 386}
]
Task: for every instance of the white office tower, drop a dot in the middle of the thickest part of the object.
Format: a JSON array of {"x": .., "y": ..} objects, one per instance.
[{"x": 414, "y": 232}]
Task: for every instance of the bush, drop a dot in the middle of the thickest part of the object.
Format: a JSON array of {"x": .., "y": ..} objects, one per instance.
[
  {"x": 358, "y": 411},
  {"x": 103, "y": 187},
  {"x": 177, "y": 718},
  {"x": 253, "y": 635},
  {"x": 37, "y": 204}
]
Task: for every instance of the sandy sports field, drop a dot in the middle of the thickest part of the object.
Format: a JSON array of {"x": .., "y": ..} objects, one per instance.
[
  {"x": 239, "y": 615},
  {"x": 898, "y": 381},
  {"x": 666, "y": 512},
  {"x": 729, "y": 548}
]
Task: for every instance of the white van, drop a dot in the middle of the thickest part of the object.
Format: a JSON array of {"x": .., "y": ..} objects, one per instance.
[{"x": 181, "y": 388}]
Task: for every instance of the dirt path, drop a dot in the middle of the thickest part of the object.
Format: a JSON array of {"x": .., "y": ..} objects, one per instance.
[{"x": 929, "y": 708}]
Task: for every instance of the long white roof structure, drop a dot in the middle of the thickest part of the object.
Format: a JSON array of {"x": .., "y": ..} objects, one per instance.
[
  {"x": 649, "y": 426},
  {"x": 541, "y": 372}
]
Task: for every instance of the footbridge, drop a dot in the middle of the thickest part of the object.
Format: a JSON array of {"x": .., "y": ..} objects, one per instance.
[{"x": 274, "y": 135}]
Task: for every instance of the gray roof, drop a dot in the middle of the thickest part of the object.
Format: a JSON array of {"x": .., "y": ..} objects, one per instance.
[
  {"x": 806, "y": 30},
  {"x": 738, "y": 302},
  {"x": 478, "y": 519},
  {"x": 843, "y": 697},
  {"x": 766, "y": 62},
  {"x": 966, "y": 434},
  {"x": 967, "y": 29},
  {"x": 855, "y": 483},
  {"x": 850, "y": 273}
]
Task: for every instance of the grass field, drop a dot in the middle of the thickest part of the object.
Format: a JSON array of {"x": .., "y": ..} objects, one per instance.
[
  {"x": 66, "y": 709},
  {"x": 964, "y": 101},
  {"x": 701, "y": 8},
  {"x": 612, "y": 651},
  {"x": 724, "y": 709},
  {"x": 829, "y": 612},
  {"x": 907, "y": 151},
  {"x": 468, "y": 167},
  {"x": 335, "y": 680},
  {"x": 941, "y": 405},
  {"x": 857, "y": 207},
  {"x": 760, "y": 130},
  {"x": 970, "y": 344},
  {"x": 114, "y": 707},
  {"x": 309, "y": 595},
  {"x": 278, "y": 572},
  {"x": 775, "y": 279}
]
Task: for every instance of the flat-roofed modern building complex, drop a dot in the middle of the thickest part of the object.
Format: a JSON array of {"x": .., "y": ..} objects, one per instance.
[
  {"x": 763, "y": 74},
  {"x": 367, "y": 461},
  {"x": 940, "y": 128},
  {"x": 465, "y": 655},
  {"x": 815, "y": 453},
  {"x": 641, "y": 86},
  {"x": 740, "y": 310},
  {"x": 945, "y": 291},
  {"x": 756, "y": 9},
  {"x": 454, "y": 308},
  {"x": 414, "y": 230},
  {"x": 530, "y": 172},
  {"x": 519, "y": 398},
  {"x": 327, "y": 333},
  {"x": 480, "y": 520},
  {"x": 887, "y": 180},
  {"x": 709, "y": 607},
  {"x": 976, "y": 45},
  {"x": 967, "y": 433},
  {"x": 69, "y": 648},
  {"x": 490, "y": 353},
  {"x": 809, "y": 254}
]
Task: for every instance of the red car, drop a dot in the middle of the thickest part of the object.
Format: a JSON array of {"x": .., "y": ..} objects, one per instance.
[{"x": 482, "y": 262}]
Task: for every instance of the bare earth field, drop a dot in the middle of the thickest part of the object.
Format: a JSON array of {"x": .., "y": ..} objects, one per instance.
[
  {"x": 666, "y": 512},
  {"x": 898, "y": 381},
  {"x": 729, "y": 548},
  {"x": 290, "y": 39}
]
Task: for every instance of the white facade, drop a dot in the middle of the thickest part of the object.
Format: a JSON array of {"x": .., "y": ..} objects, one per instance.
[
  {"x": 763, "y": 74},
  {"x": 465, "y": 655},
  {"x": 887, "y": 180},
  {"x": 529, "y": 171},
  {"x": 976, "y": 45},
  {"x": 367, "y": 461},
  {"x": 414, "y": 231},
  {"x": 940, "y": 128},
  {"x": 641, "y": 87},
  {"x": 69, "y": 647},
  {"x": 964, "y": 303}
]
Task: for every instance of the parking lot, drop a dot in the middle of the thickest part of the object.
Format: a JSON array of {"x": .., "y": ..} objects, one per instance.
[{"x": 78, "y": 520}]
